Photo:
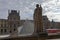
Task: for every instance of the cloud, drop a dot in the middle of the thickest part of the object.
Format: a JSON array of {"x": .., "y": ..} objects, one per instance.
[
  {"x": 51, "y": 8},
  {"x": 25, "y": 6}
]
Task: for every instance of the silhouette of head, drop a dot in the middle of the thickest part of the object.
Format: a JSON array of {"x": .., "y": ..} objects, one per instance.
[{"x": 37, "y": 5}]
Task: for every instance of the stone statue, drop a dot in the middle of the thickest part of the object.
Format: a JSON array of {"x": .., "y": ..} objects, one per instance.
[{"x": 38, "y": 19}]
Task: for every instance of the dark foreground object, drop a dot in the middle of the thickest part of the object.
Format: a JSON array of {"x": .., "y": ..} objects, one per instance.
[
  {"x": 42, "y": 37},
  {"x": 32, "y": 38}
]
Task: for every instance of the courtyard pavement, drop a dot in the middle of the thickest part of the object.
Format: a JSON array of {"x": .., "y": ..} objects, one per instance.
[{"x": 52, "y": 39}]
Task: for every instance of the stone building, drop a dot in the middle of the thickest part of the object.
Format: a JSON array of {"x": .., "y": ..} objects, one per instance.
[
  {"x": 4, "y": 26},
  {"x": 10, "y": 24},
  {"x": 13, "y": 20},
  {"x": 46, "y": 22},
  {"x": 54, "y": 25}
]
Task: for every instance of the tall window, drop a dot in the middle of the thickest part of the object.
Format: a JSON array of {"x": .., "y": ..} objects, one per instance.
[
  {"x": 1, "y": 25},
  {"x": 43, "y": 18},
  {"x": 1, "y": 30},
  {"x": 10, "y": 31},
  {"x": 14, "y": 29},
  {"x": 5, "y": 25},
  {"x": 5, "y": 30},
  {"x": 14, "y": 25}
]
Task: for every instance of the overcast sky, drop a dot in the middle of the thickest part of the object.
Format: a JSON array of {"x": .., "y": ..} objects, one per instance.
[{"x": 51, "y": 8}]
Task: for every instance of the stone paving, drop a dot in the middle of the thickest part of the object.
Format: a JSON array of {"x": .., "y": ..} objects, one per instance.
[{"x": 52, "y": 39}]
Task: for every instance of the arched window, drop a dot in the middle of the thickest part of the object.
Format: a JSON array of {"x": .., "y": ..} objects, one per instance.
[{"x": 14, "y": 25}]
